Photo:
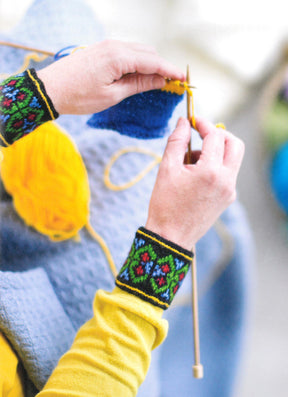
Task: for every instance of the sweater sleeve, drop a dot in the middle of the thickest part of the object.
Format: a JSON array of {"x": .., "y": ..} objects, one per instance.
[
  {"x": 24, "y": 105},
  {"x": 111, "y": 353},
  {"x": 11, "y": 380}
]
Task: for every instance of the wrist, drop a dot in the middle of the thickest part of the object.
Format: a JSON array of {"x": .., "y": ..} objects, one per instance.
[
  {"x": 24, "y": 105},
  {"x": 155, "y": 268},
  {"x": 53, "y": 88},
  {"x": 173, "y": 233}
]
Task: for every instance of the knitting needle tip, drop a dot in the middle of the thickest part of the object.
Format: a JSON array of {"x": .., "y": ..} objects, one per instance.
[{"x": 198, "y": 371}]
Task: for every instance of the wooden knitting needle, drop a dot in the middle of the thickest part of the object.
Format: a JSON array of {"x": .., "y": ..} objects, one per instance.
[
  {"x": 197, "y": 367},
  {"x": 26, "y": 48}
]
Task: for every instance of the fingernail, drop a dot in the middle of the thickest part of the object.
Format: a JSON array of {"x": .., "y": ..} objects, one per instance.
[{"x": 182, "y": 122}]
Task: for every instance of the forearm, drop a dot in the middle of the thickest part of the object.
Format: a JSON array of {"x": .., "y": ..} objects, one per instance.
[
  {"x": 24, "y": 105},
  {"x": 111, "y": 353}
]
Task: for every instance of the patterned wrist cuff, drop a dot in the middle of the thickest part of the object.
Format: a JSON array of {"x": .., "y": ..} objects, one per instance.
[
  {"x": 24, "y": 105},
  {"x": 154, "y": 269}
]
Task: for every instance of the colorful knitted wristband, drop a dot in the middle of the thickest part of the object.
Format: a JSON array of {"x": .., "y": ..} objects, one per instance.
[
  {"x": 24, "y": 105},
  {"x": 154, "y": 269}
]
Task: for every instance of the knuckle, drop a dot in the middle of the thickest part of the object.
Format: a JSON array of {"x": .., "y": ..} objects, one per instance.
[
  {"x": 142, "y": 84},
  {"x": 211, "y": 177},
  {"x": 228, "y": 191}
]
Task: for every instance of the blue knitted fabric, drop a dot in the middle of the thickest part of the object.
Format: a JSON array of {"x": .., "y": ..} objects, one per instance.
[
  {"x": 143, "y": 116},
  {"x": 47, "y": 288}
]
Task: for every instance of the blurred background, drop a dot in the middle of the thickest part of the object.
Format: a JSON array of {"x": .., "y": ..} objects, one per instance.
[{"x": 236, "y": 51}]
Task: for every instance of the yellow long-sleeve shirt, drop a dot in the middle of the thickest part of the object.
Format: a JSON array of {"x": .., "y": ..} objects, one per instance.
[{"x": 109, "y": 357}]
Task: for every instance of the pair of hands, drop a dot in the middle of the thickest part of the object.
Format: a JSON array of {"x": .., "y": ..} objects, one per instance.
[{"x": 187, "y": 198}]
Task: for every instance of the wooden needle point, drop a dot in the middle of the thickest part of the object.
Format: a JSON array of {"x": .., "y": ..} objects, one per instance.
[
  {"x": 189, "y": 113},
  {"x": 26, "y": 48}
]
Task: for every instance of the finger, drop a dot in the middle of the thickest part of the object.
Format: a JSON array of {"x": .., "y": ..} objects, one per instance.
[
  {"x": 213, "y": 148},
  {"x": 177, "y": 143},
  {"x": 151, "y": 64},
  {"x": 140, "y": 47},
  {"x": 135, "y": 83},
  {"x": 234, "y": 152},
  {"x": 204, "y": 127}
]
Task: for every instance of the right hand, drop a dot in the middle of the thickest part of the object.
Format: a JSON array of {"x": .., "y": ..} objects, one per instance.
[{"x": 188, "y": 198}]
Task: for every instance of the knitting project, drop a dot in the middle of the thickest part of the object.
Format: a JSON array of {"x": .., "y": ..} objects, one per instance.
[{"x": 142, "y": 116}]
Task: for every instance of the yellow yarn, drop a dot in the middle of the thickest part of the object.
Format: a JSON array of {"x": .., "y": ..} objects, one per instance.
[
  {"x": 46, "y": 176},
  {"x": 220, "y": 125},
  {"x": 31, "y": 56},
  {"x": 137, "y": 178},
  {"x": 177, "y": 87}
]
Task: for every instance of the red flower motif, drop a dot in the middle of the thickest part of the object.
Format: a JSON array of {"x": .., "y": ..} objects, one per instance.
[
  {"x": 12, "y": 82},
  {"x": 175, "y": 289},
  {"x": 31, "y": 117},
  {"x": 18, "y": 124},
  {"x": 21, "y": 96},
  {"x": 145, "y": 257},
  {"x": 181, "y": 276},
  {"x": 161, "y": 281},
  {"x": 7, "y": 102},
  {"x": 139, "y": 270},
  {"x": 165, "y": 268}
]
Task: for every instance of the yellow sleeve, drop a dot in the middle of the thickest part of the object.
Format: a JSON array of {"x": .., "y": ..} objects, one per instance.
[
  {"x": 10, "y": 371},
  {"x": 111, "y": 353}
]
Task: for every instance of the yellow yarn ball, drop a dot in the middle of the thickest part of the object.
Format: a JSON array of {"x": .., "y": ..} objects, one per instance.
[{"x": 46, "y": 176}]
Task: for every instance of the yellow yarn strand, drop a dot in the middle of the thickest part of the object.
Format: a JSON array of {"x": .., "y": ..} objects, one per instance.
[
  {"x": 179, "y": 87},
  {"x": 137, "y": 178},
  {"x": 193, "y": 110},
  {"x": 4, "y": 140},
  {"x": 104, "y": 248},
  {"x": 29, "y": 57}
]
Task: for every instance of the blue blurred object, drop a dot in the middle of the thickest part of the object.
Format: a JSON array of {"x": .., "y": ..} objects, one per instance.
[
  {"x": 142, "y": 116},
  {"x": 279, "y": 176}
]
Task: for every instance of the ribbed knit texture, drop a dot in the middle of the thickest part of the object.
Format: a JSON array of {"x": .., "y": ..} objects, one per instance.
[{"x": 155, "y": 269}]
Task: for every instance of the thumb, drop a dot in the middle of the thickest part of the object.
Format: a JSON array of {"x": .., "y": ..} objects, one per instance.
[{"x": 178, "y": 141}]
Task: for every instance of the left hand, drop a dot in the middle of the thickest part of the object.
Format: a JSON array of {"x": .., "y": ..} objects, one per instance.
[{"x": 103, "y": 74}]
